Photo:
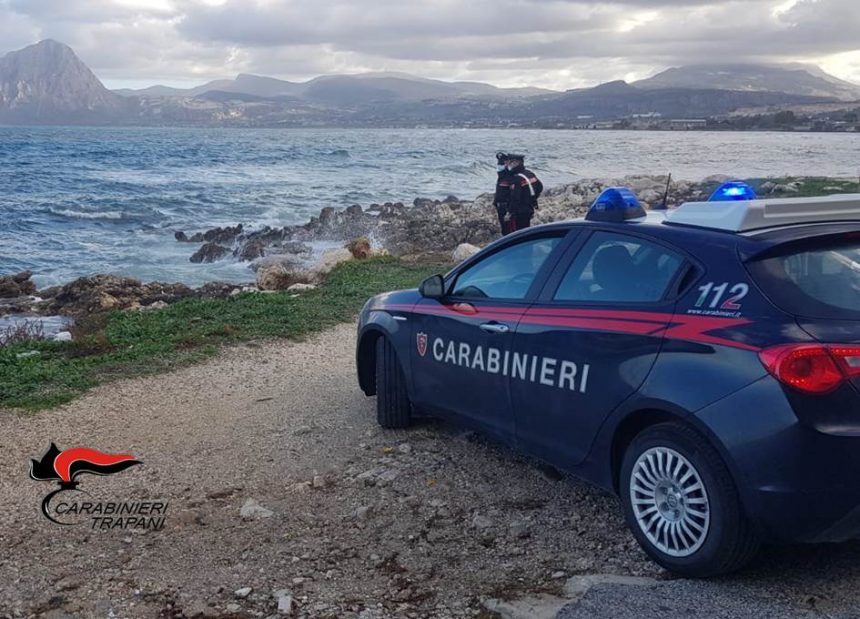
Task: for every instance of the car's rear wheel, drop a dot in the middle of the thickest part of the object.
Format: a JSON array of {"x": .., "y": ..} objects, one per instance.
[
  {"x": 393, "y": 408},
  {"x": 682, "y": 505}
]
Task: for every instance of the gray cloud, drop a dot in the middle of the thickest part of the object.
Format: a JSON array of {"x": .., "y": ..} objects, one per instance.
[{"x": 556, "y": 43}]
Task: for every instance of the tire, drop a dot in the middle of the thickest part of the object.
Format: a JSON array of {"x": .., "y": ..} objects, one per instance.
[
  {"x": 673, "y": 507},
  {"x": 393, "y": 408}
]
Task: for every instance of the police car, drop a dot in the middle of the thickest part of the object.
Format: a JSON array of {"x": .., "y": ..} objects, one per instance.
[{"x": 702, "y": 362}]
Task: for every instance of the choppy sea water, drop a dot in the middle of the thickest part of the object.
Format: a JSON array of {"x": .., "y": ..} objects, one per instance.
[{"x": 78, "y": 201}]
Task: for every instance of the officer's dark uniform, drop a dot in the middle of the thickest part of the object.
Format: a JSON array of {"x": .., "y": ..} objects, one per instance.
[
  {"x": 503, "y": 194},
  {"x": 525, "y": 191}
]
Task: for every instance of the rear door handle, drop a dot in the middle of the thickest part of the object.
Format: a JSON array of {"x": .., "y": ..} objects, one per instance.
[{"x": 495, "y": 327}]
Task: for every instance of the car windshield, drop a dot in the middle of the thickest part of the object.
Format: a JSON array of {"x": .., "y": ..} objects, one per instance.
[{"x": 820, "y": 279}]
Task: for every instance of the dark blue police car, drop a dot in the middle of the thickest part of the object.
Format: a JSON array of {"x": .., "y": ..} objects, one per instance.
[{"x": 702, "y": 362}]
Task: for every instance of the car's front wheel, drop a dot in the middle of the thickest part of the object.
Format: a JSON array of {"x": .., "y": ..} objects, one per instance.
[
  {"x": 682, "y": 505},
  {"x": 393, "y": 408}
]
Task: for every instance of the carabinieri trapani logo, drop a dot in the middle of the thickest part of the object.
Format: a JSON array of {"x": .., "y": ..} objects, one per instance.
[{"x": 68, "y": 505}]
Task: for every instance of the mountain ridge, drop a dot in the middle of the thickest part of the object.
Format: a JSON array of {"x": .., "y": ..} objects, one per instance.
[
  {"x": 792, "y": 78},
  {"x": 401, "y": 85},
  {"x": 47, "y": 83}
]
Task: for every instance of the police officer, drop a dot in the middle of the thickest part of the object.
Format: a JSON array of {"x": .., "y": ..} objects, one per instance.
[
  {"x": 525, "y": 189},
  {"x": 503, "y": 192}
]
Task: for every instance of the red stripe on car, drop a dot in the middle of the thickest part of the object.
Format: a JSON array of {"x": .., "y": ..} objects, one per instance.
[{"x": 658, "y": 324}]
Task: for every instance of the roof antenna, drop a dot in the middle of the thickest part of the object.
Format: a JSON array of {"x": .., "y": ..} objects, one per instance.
[{"x": 663, "y": 206}]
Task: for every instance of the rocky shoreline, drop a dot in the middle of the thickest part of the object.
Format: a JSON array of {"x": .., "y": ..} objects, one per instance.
[{"x": 439, "y": 231}]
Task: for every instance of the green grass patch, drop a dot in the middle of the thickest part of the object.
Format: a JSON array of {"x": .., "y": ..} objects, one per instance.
[{"x": 126, "y": 344}]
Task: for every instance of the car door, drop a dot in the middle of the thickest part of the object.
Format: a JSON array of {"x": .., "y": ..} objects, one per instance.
[
  {"x": 590, "y": 340},
  {"x": 462, "y": 340}
]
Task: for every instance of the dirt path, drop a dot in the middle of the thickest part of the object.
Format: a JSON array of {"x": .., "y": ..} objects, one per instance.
[{"x": 354, "y": 521}]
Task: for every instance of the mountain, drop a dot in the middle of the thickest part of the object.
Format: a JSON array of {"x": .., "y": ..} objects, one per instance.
[
  {"x": 612, "y": 101},
  {"x": 47, "y": 83},
  {"x": 615, "y": 100},
  {"x": 791, "y": 78},
  {"x": 344, "y": 89},
  {"x": 254, "y": 85}
]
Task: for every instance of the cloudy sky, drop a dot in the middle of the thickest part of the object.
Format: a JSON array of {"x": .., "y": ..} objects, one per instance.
[{"x": 550, "y": 43}]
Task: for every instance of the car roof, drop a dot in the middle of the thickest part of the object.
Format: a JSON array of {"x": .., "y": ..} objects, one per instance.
[{"x": 694, "y": 238}]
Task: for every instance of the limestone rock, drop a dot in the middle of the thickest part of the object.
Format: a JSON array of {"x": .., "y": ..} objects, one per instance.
[
  {"x": 279, "y": 277},
  {"x": 328, "y": 261},
  {"x": 99, "y": 293},
  {"x": 359, "y": 248},
  {"x": 464, "y": 251}
]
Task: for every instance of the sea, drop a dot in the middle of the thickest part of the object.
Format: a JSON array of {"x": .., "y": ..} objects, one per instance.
[{"x": 79, "y": 201}]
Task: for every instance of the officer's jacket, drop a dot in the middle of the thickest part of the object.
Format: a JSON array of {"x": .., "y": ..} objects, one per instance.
[
  {"x": 503, "y": 191},
  {"x": 525, "y": 191}
]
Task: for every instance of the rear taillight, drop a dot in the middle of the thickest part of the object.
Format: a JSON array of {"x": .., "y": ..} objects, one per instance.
[{"x": 813, "y": 368}]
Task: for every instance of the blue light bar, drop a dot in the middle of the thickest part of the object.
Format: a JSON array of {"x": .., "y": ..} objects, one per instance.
[
  {"x": 733, "y": 190},
  {"x": 615, "y": 204}
]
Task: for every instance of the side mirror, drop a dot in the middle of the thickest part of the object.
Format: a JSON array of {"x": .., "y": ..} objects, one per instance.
[{"x": 433, "y": 287}]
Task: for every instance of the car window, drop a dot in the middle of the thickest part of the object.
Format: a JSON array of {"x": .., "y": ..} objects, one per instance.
[
  {"x": 619, "y": 268},
  {"x": 818, "y": 278},
  {"x": 506, "y": 274}
]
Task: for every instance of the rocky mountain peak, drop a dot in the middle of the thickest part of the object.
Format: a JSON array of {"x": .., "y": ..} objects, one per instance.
[{"x": 47, "y": 81}]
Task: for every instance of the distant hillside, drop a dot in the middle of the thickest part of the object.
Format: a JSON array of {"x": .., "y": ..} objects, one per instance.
[
  {"x": 47, "y": 83},
  {"x": 619, "y": 99},
  {"x": 608, "y": 102},
  {"x": 345, "y": 89},
  {"x": 792, "y": 79}
]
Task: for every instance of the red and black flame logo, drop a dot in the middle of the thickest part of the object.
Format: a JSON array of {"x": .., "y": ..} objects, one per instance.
[{"x": 64, "y": 467}]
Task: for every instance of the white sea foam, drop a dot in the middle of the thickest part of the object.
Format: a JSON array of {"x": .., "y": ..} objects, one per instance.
[{"x": 114, "y": 215}]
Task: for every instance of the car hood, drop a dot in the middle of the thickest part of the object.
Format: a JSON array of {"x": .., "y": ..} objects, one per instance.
[{"x": 397, "y": 297}]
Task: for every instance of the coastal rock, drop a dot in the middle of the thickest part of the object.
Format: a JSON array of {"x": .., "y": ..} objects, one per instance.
[
  {"x": 328, "y": 261},
  {"x": 354, "y": 211},
  {"x": 217, "y": 290},
  {"x": 359, "y": 248},
  {"x": 463, "y": 251},
  {"x": 291, "y": 262},
  {"x": 17, "y": 285},
  {"x": 210, "y": 252},
  {"x": 250, "y": 251},
  {"x": 222, "y": 235},
  {"x": 294, "y": 247},
  {"x": 279, "y": 277},
  {"x": 99, "y": 293},
  {"x": 328, "y": 217},
  {"x": 184, "y": 238}
]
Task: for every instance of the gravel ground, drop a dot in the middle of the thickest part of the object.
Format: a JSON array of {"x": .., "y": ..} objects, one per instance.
[{"x": 342, "y": 519}]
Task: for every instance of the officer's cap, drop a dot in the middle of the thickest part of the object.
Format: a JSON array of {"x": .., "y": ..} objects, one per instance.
[{"x": 512, "y": 157}]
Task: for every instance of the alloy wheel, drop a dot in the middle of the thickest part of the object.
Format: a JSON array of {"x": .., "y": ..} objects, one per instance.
[{"x": 670, "y": 501}]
